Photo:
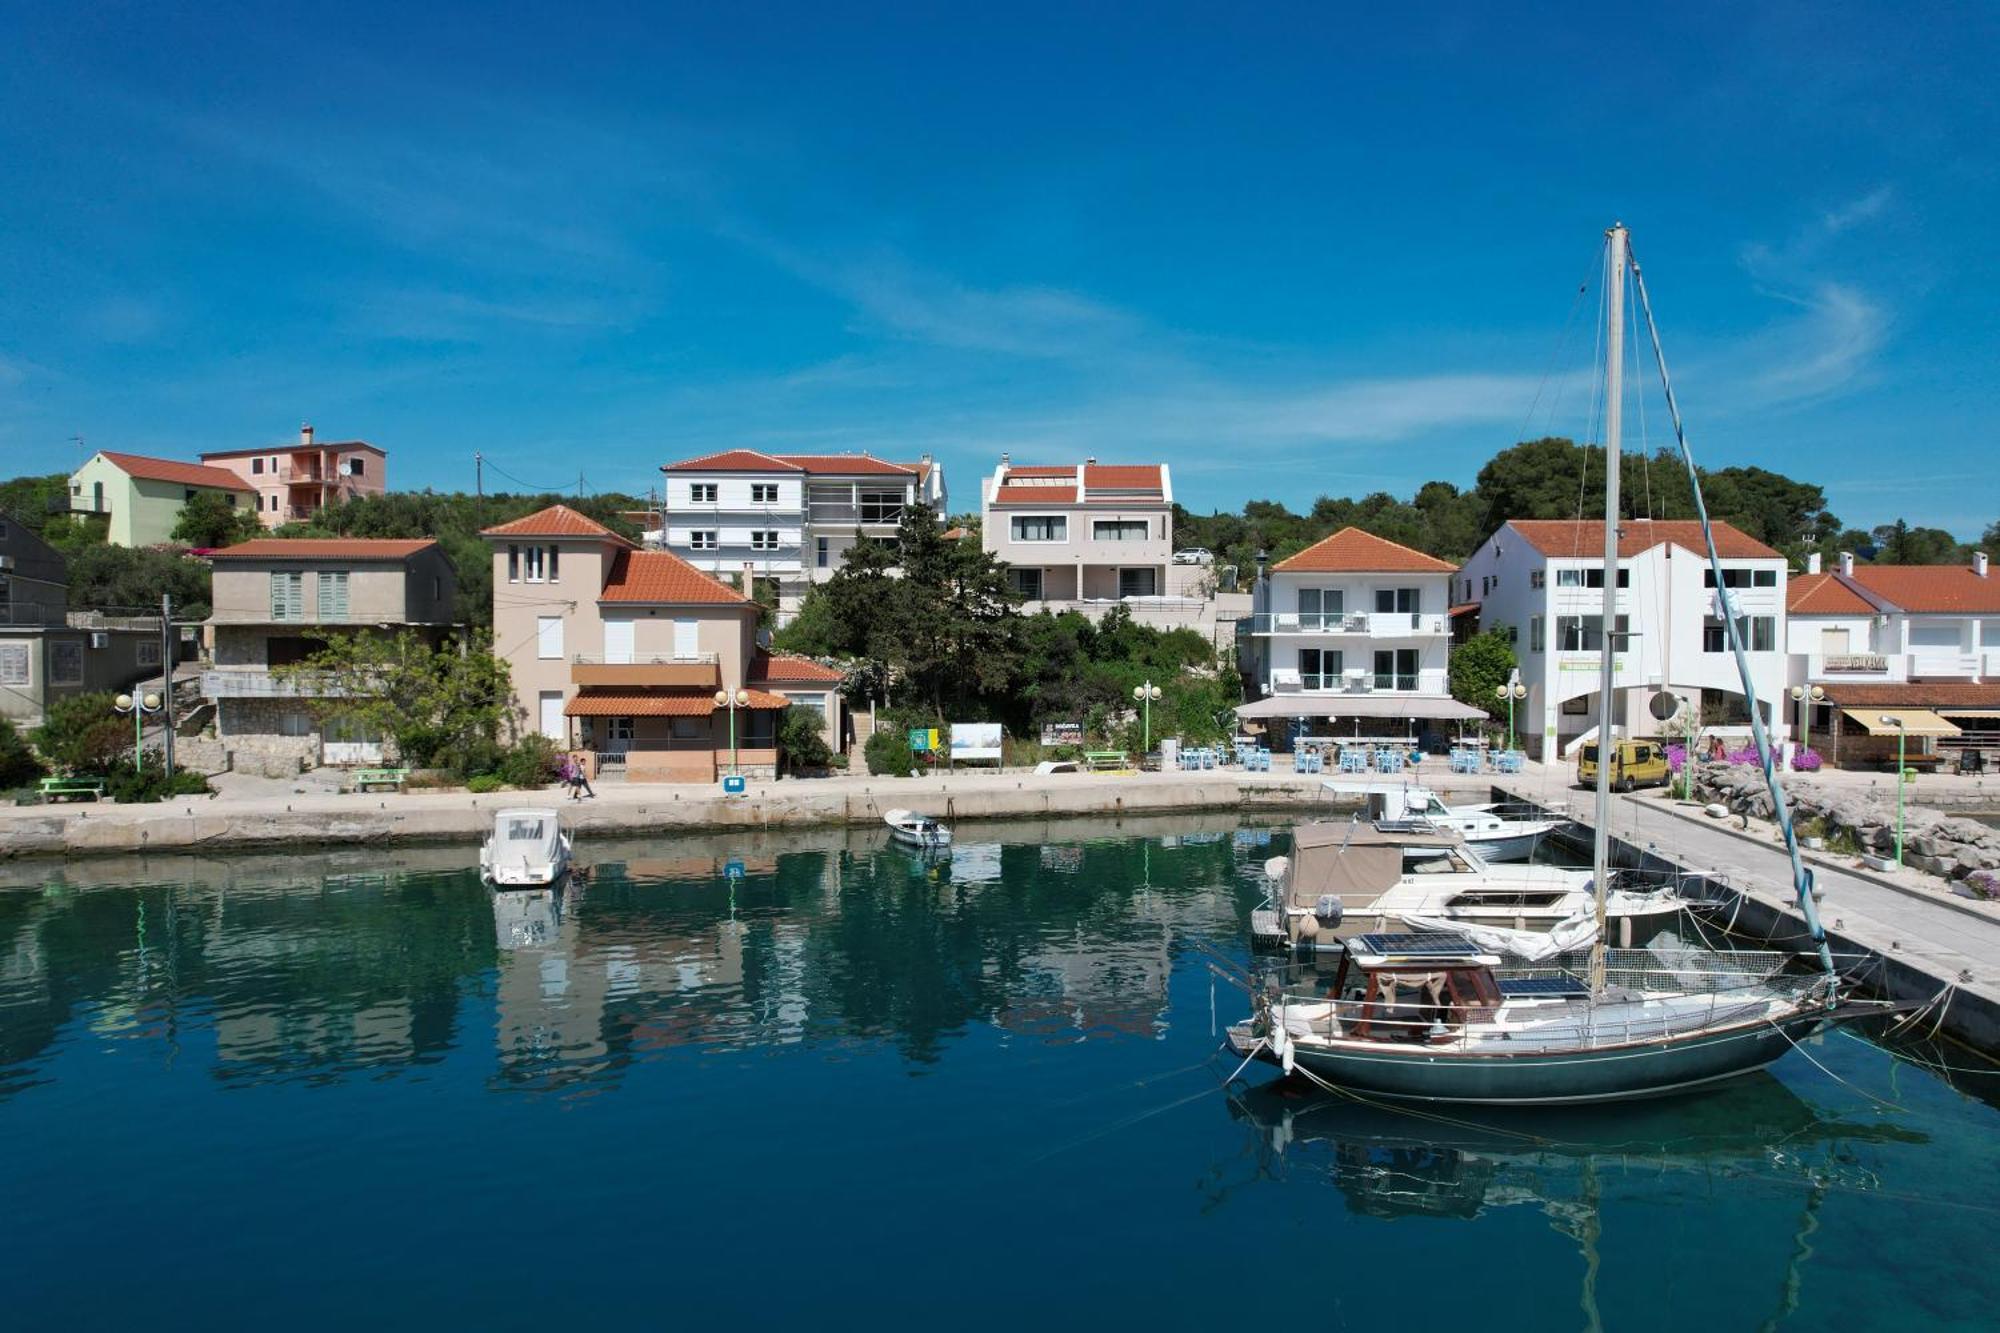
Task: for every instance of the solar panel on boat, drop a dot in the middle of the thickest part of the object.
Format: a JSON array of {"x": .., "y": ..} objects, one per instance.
[
  {"x": 1426, "y": 944},
  {"x": 1542, "y": 988}
]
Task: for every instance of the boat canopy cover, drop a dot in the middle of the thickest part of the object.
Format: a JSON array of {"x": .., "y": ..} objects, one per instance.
[
  {"x": 1350, "y": 860},
  {"x": 524, "y": 828}
]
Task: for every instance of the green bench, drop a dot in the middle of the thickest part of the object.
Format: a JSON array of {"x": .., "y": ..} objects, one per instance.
[
  {"x": 56, "y": 789},
  {"x": 364, "y": 778},
  {"x": 1106, "y": 761}
]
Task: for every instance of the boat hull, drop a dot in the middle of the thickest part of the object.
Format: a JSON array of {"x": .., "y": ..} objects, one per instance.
[
  {"x": 1608, "y": 1073},
  {"x": 1506, "y": 848}
]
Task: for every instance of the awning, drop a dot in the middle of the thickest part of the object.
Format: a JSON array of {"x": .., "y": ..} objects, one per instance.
[
  {"x": 1916, "y": 721},
  {"x": 1969, "y": 712},
  {"x": 1358, "y": 705},
  {"x": 665, "y": 702}
]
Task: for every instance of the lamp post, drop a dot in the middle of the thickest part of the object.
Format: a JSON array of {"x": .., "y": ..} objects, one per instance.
[
  {"x": 1511, "y": 691},
  {"x": 1806, "y": 698},
  {"x": 732, "y": 698},
  {"x": 1144, "y": 696},
  {"x": 1902, "y": 734},
  {"x": 138, "y": 708}
]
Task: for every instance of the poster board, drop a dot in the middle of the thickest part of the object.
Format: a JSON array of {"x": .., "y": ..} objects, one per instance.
[{"x": 975, "y": 742}]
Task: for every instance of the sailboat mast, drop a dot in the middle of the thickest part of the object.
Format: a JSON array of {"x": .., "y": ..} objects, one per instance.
[{"x": 1614, "y": 369}]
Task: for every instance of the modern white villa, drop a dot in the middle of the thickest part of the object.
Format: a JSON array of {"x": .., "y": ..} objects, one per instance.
[
  {"x": 1541, "y": 582},
  {"x": 1350, "y": 637},
  {"x": 787, "y": 517}
]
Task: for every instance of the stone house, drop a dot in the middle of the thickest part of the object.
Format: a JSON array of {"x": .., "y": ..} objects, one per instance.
[
  {"x": 624, "y": 650},
  {"x": 276, "y": 601}
]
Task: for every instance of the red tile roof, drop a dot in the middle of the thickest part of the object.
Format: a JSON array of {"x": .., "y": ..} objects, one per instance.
[
  {"x": 1041, "y": 472},
  {"x": 835, "y": 465},
  {"x": 848, "y": 465},
  {"x": 1035, "y": 495},
  {"x": 1104, "y": 477},
  {"x": 179, "y": 474},
  {"x": 660, "y": 701},
  {"x": 324, "y": 548},
  {"x": 1824, "y": 595},
  {"x": 1352, "y": 551},
  {"x": 555, "y": 521},
  {"x": 1932, "y": 589},
  {"x": 663, "y": 578},
  {"x": 1566, "y": 537},
  {"x": 1942, "y": 694},
  {"x": 792, "y": 670},
  {"x": 733, "y": 460}
]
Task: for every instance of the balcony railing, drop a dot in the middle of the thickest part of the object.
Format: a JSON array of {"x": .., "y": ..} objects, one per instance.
[
  {"x": 645, "y": 659},
  {"x": 1358, "y": 680},
  {"x": 263, "y": 683},
  {"x": 1377, "y": 624}
]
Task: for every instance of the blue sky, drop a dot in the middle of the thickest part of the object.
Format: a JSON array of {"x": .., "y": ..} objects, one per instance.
[{"x": 1288, "y": 250}]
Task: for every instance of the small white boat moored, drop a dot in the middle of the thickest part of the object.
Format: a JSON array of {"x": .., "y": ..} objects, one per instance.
[
  {"x": 527, "y": 849},
  {"x": 915, "y": 830}
]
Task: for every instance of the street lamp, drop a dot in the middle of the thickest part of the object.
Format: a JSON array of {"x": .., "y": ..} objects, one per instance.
[
  {"x": 138, "y": 708},
  {"x": 1801, "y": 695},
  {"x": 732, "y": 698},
  {"x": 1902, "y": 734},
  {"x": 1511, "y": 691},
  {"x": 1144, "y": 696}
]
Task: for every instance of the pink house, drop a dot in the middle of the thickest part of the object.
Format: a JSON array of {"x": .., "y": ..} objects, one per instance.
[{"x": 295, "y": 481}]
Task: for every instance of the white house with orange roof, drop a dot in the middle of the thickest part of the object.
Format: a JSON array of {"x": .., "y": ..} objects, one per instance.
[
  {"x": 1541, "y": 582},
  {"x": 624, "y": 650},
  {"x": 1916, "y": 642},
  {"x": 1352, "y": 635},
  {"x": 295, "y": 481},
  {"x": 789, "y": 517}
]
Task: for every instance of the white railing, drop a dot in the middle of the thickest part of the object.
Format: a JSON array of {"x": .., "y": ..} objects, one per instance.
[
  {"x": 1955, "y": 665},
  {"x": 261, "y": 683},
  {"x": 1376, "y": 624},
  {"x": 637, "y": 659}
]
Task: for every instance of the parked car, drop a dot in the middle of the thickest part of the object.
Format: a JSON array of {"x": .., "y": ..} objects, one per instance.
[
  {"x": 1633, "y": 764},
  {"x": 1193, "y": 555}
]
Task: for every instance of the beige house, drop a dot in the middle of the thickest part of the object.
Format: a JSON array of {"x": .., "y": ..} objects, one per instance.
[
  {"x": 624, "y": 650},
  {"x": 295, "y": 481},
  {"x": 275, "y": 602},
  {"x": 142, "y": 497}
]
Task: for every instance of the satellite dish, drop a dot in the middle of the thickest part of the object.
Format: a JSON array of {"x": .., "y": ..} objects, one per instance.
[{"x": 1665, "y": 705}]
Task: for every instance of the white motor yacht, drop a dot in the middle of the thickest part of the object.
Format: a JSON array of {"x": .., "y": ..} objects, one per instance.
[
  {"x": 527, "y": 849},
  {"x": 1495, "y": 830}
]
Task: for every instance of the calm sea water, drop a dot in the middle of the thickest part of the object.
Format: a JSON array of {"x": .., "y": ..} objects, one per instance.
[{"x": 853, "y": 1088}]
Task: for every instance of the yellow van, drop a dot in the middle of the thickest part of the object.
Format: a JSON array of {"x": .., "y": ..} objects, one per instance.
[{"x": 1633, "y": 764}]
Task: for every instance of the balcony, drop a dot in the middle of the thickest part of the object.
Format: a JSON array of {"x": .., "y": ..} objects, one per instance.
[
  {"x": 1374, "y": 624},
  {"x": 702, "y": 670},
  {"x": 1358, "y": 680},
  {"x": 262, "y": 683}
]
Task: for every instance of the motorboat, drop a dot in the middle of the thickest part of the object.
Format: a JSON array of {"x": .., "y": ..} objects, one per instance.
[
  {"x": 526, "y": 849},
  {"x": 1347, "y": 878},
  {"x": 1499, "y": 831},
  {"x": 915, "y": 830}
]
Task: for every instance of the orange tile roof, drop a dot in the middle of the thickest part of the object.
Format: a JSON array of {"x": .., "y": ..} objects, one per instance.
[
  {"x": 663, "y": 578},
  {"x": 783, "y": 667},
  {"x": 662, "y": 701},
  {"x": 555, "y": 521},
  {"x": 179, "y": 474},
  {"x": 1352, "y": 551},
  {"x": 324, "y": 548},
  {"x": 733, "y": 460},
  {"x": 1568, "y": 537},
  {"x": 1941, "y": 694},
  {"x": 1041, "y": 472},
  {"x": 1824, "y": 595},
  {"x": 1111, "y": 477},
  {"x": 847, "y": 464},
  {"x": 1035, "y": 495},
  {"x": 1932, "y": 589}
]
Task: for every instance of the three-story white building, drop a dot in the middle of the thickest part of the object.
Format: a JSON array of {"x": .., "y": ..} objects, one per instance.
[{"x": 1541, "y": 581}]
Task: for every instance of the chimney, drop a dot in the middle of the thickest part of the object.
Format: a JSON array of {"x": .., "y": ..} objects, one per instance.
[
  {"x": 1979, "y": 563},
  {"x": 1847, "y": 564},
  {"x": 306, "y": 435},
  {"x": 1812, "y": 563},
  {"x": 750, "y": 579},
  {"x": 1005, "y": 459}
]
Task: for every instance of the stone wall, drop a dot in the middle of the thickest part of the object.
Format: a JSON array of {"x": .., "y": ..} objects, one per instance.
[{"x": 253, "y": 734}]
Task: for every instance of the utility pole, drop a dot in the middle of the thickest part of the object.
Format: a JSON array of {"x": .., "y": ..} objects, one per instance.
[
  {"x": 478, "y": 484},
  {"x": 167, "y": 674}
]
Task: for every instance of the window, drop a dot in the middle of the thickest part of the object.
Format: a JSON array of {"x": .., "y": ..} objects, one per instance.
[
  {"x": 1585, "y": 634},
  {"x": 1535, "y": 634},
  {"x": 66, "y": 662},
  {"x": 1027, "y": 582},
  {"x": 295, "y": 722},
  {"x": 621, "y": 729},
  {"x": 1759, "y": 634},
  {"x": 881, "y": 506},
  {"x": 13, "y": 664},
  {"x": 759, "y": 728},
  {"x": 1737, "y": 576},
  {"x": 1040, "y": 528},
  {"x": 1513, "y": 634},
  {"x": 1321, "y": 608},
  {"x": 534, "y": 564},
  {"x": 1121, "y": 530},
  {"x": 1320, "y": 668},
  {"x": 1396, "y": 599},
  {"x": 822, "y": 552},
  {"x": 256, "y": 467},
  {"x": 437, "y": 588},
  {"x": 702, "y": 539},
  {"x": 333, "y": 595},
  {"x": 97, "y": 496},
  {"x": 1592, "y": 577},
  {"x": 554, "y": 577},
  {"x": 1538, "y": 579},
  {"x": 812, "y": 703},
  {"x": 149, "y": 651},
  {"x": 763, "y": 539},
  {"x": 513, "y": 564},
  {"x": 356, "y": 466},
  {"x": 702, "y": 493},
  {"x": 548, "y": 636},
  {"x": 763, "y": 492},
  {"x": 288, "y": 596},
  {"x": 1396, "y": 669},
  {"x": 230, "y": 499},
  {"x": 1138, "y": 582},
  {"x": 690, "y": 728}
]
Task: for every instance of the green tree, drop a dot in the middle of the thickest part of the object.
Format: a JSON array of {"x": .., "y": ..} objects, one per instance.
[
  {"x": 209, "y": 520},
  {"x": 446, "y": 706},
  {"x": 802, "y": 738},
  {"x": 129, "y": 580},
  {"x": 1478, "y": 667},
  {"x": 83, "y": 733},
  {"x": 1900, "y": 544},
  {"x": 18, "y": 764},
  {"x": 34, "y": 501},
  {"x": 1989, "y": 541}
]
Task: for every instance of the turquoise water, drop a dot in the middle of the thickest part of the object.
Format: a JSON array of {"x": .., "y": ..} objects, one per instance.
[{"x": 848, "y": 1088}]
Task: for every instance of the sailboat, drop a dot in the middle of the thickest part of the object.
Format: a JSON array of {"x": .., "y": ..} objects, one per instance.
[{"x": 1434, "y": 1016}]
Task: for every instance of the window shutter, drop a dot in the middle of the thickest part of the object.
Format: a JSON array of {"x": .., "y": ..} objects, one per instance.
[{"x": 549, "y": 636}]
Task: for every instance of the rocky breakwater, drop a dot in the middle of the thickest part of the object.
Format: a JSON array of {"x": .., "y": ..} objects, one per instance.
[{"x": 1961, "y": 850}]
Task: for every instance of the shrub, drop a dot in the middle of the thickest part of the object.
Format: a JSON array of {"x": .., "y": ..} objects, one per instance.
[
  {"x": 18, "y": 765},
  {"x": 485, "y": 783},
  {"x": 134, "y": 786},
  {"x": 889, "y": 754},
  {"x": 529, "y": 762},
  {"x": 802, "y": 738},
  {"x": 83, "y": 733}
]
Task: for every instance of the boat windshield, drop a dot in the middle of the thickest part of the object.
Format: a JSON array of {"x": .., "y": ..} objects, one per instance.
[
  {"x": 1434, "y": 861},
  {"x": 523, "y": 830}
]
